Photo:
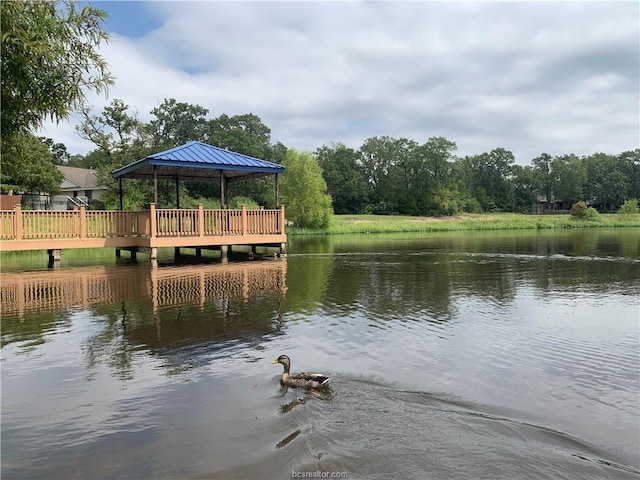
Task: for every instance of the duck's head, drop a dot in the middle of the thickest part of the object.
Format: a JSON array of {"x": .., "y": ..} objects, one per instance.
[{"x": 284, "y": 360}]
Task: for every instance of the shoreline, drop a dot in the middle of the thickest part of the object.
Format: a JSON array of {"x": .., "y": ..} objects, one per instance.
[{"x": 355, "y": 224}]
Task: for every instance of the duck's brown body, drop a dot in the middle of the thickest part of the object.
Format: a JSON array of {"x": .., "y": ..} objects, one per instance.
[{"x": 300, "y": 380}]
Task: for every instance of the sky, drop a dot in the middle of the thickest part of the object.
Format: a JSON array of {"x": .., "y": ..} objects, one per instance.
[{"x": 530, "y": 77}]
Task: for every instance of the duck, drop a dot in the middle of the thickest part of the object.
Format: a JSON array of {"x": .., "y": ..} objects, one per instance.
[{"x": 309, "y": 381}]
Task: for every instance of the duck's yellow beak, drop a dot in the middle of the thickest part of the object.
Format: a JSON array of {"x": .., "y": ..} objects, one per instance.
[{"x": 274, "y": 361}]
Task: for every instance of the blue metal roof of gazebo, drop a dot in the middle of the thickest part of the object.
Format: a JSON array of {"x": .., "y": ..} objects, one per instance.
[{"x": 196, "y": 161}]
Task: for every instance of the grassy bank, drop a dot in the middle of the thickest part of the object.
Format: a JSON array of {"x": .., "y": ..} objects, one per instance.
[{"x": 487, "y": 221}]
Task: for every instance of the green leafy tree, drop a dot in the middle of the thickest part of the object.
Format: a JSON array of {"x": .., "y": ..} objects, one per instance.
[
  {"x": 120, "y": 139},
  {"x": 59, "y": 151},
  {"x": 629, "y": 164},
  {"x": 377, "y": 157},
  {"x": 490, "y": 179},
  {"x": 569, "y": 175},
  {"x": 31, "y": 167},
  {"x": 344, "y": 178},
  {"x": 176, "y": 123},
  {"x": 405, "y": 170},
  {"x": 247, "y": 134},
  {"x": 525, "y": 188},
  {"x": 49, "y": 61},
  {"x": 462, "y": 179},
  {"x": 542, "y": 167},
  {"x": 394, "y": 171},
  {"x": 438, "y": 154},
  {"x": 304, "y": 191},
  {"x": 436, "y": 192},
  {"x": 445, "y": 202},
  {"x": 560, "y": 178},
  {"x": 278, "y": 153},
  {"x": 116, "y": 131},
  {"x": 244, "y": 134},
  {"x": 606, "y": 183}
]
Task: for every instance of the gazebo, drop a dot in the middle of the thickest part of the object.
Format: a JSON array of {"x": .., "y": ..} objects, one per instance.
[
  {"x": 200, "y": 162},
  {"x": 218, "y": 229}
]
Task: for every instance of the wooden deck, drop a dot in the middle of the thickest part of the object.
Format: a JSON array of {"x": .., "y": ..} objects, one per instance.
[{"x": 144, "y": 230}]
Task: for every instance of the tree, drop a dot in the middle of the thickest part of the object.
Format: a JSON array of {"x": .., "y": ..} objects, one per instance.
[
  {"x": 278, "y": 153},
  {"x": 439, "y": 196},
  {"x": 403, "y": 186},
  {"x": 525, "y": 188},
  {"x": 247, "y": 134},
  {"x": 120, "y": 139},
  {"x": 176, "y": 123},
  {"x": 49, "y": 61},
  {"x": 376, "y": 157},
  {"x": 114, "y": 132},
  {"x": 344, "y": 178},
  {"x": 244, "y": 134},
  {"x": 629, "y": 163},
  {"x": 569, "y": 176},
  {"x": 304, "y": 191},
  {"x": 58, "y": 150},
  {"x": 544, "y": 177},
  {"x": 31, "y": 168},
  {"x": 438, "y": 152},
  {"x": 606, "y": 183},
  {"x": 490, "y": 179}
]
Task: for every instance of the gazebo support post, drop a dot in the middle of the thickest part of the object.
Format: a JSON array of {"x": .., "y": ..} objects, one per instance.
[
  {"x": 177, "y": 193},
  {"x": 155, "y": 184},
  {"x": 223, "y": 184},
  {"x": 277, "y": 191},
  {"x": 177, "y": 249},
  {"x": 120, "y": 192}
]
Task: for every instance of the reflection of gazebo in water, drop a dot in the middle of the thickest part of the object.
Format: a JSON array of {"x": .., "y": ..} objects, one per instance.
[
  {"x": 30, "y": 295},
  {"x": 217, "y": 229},
  {"x": 167, "y": 311}
]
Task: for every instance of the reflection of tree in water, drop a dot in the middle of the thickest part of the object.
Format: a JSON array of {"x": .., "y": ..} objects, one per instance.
[
  {"x": 409, "y": 287},
  {"x": 31, "y": 328},
  {"x": 110, "y": 346},
  {"x": 192, "y": 315},
  {"x": 419, "y": 279},
  {"x": 311, "y": 278}
]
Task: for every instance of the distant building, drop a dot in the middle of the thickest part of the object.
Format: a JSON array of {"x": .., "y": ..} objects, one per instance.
[{"x": 79, "y": 187}]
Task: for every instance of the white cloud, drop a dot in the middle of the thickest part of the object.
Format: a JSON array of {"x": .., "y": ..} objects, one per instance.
[{"x": 529, "y": 77}]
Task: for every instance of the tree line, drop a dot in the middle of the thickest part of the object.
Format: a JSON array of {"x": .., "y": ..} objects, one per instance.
[
  {"x": 400, "y": 176},
  {"x": 390, "y": 176}
]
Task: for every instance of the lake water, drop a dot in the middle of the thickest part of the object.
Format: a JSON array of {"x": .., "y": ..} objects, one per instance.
[{"x": 466, "y": 356}]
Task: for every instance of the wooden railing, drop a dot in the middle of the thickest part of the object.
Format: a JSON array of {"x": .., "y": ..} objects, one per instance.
[
  {"x": 100, "y": 224},
  {"x": 81, "y": 224},
  {"x": 7, "y": 225}
]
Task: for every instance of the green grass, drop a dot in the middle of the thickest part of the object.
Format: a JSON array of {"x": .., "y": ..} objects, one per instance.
[{"x": 342, "y": 224}]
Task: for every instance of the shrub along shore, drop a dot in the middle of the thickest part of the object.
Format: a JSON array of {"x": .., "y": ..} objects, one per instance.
[{"x": 342, "y": 224}]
